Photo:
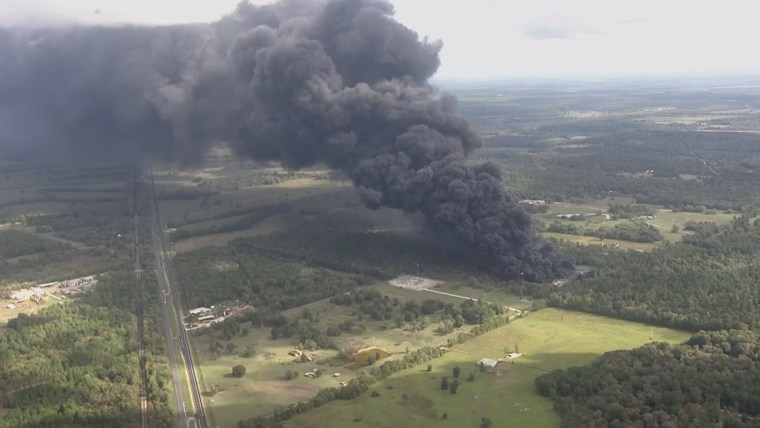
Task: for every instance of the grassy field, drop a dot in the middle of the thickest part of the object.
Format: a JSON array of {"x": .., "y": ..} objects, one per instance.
[
  {"x": 7, "y": 314},
  {"x": 550, "y": 339},
  {"x": 270, "y": 225},
  {"x": 591, "y": 240},
  {"x": 265, "y": 382},
  {"x": 597, "y": 218}
]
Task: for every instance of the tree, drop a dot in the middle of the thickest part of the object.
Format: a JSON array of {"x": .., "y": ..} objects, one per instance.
[
  {"x": 445, "y": 383},
  {"x": 249, "y": 351},
  {"x": 430, "y": 367},
  {"x": 485, "y": 422},
  {"x": 456, "y": 371},
  {"x": 471, "y": 377},
  {"x": 238, "y": 371},
  {"x": 370, "y": 360},
  {"x": 454, "y": 386}
]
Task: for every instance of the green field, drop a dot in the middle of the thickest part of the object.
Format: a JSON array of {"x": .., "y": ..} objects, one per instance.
[
  {"x": 596, "y": 215},
  {"x": 550, "y": 339},
  {"x": 264, "y": 382}
]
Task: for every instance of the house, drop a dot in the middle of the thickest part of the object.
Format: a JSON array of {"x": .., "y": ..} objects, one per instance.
[
  {"x": 513, "y": 355},
  {"x": 10, "y": 306},
  {"x": 336, "y": 374},
  {"x": 205, "y": 318},
  {"x": 295, "y": 352},
  {"x": 487, "y": 363}
]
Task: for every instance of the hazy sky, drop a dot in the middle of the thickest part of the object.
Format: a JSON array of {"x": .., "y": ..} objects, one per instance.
[{"x": 507, "y": 38}]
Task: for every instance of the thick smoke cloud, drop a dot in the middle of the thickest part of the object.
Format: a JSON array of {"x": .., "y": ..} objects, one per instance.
[{"x": 299, "y": 82}]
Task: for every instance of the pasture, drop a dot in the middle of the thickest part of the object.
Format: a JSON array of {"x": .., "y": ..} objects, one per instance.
[
  {"x": 265, "y": 382},
  {"x": 550, "y": 339}
]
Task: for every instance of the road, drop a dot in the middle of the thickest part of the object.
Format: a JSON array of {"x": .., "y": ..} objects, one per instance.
[
  {"x": 139, "y": 311},
  {"x": 168, "y": 282},
  {"x": 430, "y": 290},
  {"x": 161, "y": 275}
]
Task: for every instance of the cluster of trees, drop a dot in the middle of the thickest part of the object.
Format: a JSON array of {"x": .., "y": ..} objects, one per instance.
[
  {"x": 637, "y": 231},
  {"x": 714, "y": 379},
  {"x": 342, "y": 240},
  {"x": 105, "y": 224},
  {"x": 707, "y": 282},
  {"x": 628, "y": 211},
  {"x": 380, "y": 307},
  {"x": 14, "y": 243},
  {"x": 214, "y": 274},
  {"x": 75, "y": 364}
]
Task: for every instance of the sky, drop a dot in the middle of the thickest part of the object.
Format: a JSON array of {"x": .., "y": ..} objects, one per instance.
[{"x": 490, "y": 39}]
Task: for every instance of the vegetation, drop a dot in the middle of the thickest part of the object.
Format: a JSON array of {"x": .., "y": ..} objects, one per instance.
[
  {"x": 633, "y": 232},
  {"x": 14, "y": 243},
  {"x": 712, "y": 379},
  {"x": 550, "y": 339},
  {"x": 706, "y": 282},
  {"x": 238, "y": 371}
]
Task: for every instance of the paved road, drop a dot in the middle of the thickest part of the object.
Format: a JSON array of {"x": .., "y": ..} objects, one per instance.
[
  {"x": 170, "y": 282},
  {"x": 162, "y": 287}
]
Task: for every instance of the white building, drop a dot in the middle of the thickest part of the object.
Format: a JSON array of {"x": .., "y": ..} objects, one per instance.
[
  {"x": 199, "y": 311},
  {"x": 487, "y": 363}
]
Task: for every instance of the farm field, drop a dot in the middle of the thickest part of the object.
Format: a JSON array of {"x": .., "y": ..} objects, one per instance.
[{"x": 550, "y": 339}]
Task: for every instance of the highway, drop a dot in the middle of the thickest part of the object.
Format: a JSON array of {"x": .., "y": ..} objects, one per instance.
[
  {"x": 168, "y": 283},
  {"x": 161, "y": 275},
  {"x": 139, "y": 311}
]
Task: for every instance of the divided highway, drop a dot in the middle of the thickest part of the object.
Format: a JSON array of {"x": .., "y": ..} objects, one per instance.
[{"x": 168, "y": 285}]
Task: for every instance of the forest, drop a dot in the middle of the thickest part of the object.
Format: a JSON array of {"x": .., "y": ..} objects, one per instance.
[
  {"x": 709, "y": 281},
  {"x": 75, "y": 364},
  {"x": 712, "y": 380}
]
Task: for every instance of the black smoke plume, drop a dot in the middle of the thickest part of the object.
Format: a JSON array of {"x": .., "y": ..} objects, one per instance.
[{"x": 338, "y": 82}]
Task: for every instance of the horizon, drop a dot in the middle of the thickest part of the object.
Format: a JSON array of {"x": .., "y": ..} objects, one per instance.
[{"x": 489, "y": 40}]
